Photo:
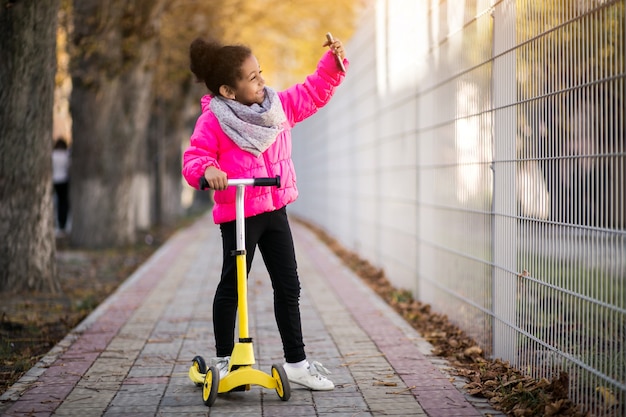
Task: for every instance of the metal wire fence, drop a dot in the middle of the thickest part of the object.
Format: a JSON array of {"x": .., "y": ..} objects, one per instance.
[
  {"x": 477, "y": 153},
  {"x": 571, "y": 308}
]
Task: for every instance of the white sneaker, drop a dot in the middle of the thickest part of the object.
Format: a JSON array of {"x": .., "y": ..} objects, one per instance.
[
  {"x": 221, "y": 364},
  {"x": 312, "y": 376}
]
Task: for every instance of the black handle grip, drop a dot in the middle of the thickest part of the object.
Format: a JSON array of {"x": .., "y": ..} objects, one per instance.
[
  {"x": 257, "y": 182},
  {"x": 267, "y": 182}
]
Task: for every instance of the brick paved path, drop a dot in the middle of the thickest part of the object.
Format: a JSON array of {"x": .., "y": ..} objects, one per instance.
[{"x": 130, "y": 357}]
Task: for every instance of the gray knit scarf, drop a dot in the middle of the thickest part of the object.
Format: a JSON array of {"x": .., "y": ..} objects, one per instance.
[{"x": 253, "y": 128}]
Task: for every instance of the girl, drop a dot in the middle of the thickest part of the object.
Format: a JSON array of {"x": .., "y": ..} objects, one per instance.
[{"x": 244, "y": 131}]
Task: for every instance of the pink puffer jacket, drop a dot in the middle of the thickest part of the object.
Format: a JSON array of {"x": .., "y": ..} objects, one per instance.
[{"x": 210, "y": 146}]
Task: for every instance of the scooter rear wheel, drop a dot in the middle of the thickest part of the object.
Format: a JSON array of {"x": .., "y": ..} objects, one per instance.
[
  {"x": 283, "y": 389},
  {"x": 210, "y": 386}
]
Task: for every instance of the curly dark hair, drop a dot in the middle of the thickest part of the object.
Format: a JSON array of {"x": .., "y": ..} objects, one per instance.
[{"x": 216, "y": 64}]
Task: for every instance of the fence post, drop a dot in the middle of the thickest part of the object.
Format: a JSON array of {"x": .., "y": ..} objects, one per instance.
[{"x": 504, "y": 239}]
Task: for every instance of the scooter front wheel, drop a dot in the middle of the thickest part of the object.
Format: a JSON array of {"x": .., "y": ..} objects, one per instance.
[
  {"x": 283, "y": 389},
  {"x": 197, "y": 370},
  {"x": 210, "y": 386}
]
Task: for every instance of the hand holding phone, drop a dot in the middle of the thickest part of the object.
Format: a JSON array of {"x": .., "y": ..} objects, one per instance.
[{"x": 331, "y": 40}]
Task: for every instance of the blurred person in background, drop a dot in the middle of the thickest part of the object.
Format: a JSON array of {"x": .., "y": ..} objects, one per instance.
[{"x": 60, "y": 179}]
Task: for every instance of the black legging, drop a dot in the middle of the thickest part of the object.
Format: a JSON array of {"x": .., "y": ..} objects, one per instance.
[
  {"x": 63, "y": 202},
  {"x": 271, "y": 232}
]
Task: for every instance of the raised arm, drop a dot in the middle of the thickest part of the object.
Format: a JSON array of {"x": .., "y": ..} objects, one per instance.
[{"x": 303, "y": 100}]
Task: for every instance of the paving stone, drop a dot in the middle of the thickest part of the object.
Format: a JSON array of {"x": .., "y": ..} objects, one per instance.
[{"x": 132, "y": 355}]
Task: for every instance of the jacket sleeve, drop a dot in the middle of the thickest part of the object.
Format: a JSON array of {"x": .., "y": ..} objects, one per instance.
[
  {"x": 200, "y": 154},
  {"x": 303, "y": 100}
]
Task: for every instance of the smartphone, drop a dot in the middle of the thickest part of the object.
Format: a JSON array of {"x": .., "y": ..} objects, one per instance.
[{"x": 330, "y": 39}]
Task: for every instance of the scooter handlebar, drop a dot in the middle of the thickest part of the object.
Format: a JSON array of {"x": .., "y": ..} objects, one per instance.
[
  {"x": 255, "y": 182},
  {"x": 267, "y": 182}
]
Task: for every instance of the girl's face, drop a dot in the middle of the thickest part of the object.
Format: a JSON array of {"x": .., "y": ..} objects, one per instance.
[{"x": 251, "y": 88}]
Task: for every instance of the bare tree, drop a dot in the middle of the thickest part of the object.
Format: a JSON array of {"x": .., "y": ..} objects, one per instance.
[
  {"x": 27, "y": 71},
  {"x": 113, "y": 55},
  {"x": 175, "y": 107}
]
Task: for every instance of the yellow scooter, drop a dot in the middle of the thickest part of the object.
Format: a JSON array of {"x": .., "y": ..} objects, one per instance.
[{"x": 241, "y": 375}]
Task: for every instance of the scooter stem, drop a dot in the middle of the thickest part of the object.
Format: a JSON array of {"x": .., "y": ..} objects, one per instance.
[{"x": 242, "y": 267}]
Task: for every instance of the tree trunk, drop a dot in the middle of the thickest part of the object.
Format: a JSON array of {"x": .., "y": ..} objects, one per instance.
[
  {"x": 27, "y": 71},
  {"x": 112, "y": 70},
  {"x": 170, "y": 129}
]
